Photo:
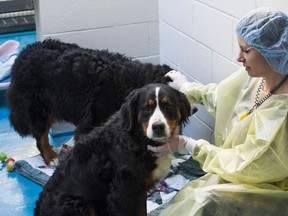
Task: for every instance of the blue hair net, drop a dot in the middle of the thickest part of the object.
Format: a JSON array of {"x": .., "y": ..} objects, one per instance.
[{"x": 266, "y": 30}]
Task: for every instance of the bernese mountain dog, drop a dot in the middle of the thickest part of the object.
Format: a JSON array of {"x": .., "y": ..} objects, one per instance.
[
  {"x": 110, "y": 169},
  {"x": 55, "y": 81}
]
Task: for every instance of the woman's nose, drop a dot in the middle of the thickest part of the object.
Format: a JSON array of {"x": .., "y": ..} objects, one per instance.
[{"x": 240, "y": 57}]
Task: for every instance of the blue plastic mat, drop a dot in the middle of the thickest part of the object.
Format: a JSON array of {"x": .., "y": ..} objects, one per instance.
[
  {"x": 18, "y": 194},
  {"x": 24, "y": 38}
]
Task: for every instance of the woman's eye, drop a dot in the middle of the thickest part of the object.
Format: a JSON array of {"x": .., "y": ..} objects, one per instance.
[{"x": 245, "y": 50}]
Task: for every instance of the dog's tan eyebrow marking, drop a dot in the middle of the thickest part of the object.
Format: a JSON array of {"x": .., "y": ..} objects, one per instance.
[
  {"x": 151, "y": 102},
  {"x": 164, "y": 100}
]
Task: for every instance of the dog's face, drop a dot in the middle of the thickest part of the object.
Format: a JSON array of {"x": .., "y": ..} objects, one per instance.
[
  {"x": 158, "y": 109},
  {"x": 159, "y": 113}
]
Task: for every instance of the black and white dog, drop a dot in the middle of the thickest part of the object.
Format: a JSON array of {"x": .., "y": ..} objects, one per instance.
[
  {"x": 110, "y": 169},
  {"x": 55, "y": 81}
]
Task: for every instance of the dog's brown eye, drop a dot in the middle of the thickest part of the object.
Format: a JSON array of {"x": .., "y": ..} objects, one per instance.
[
  {"x": 147, "y": 109},
  {"x": 168, "y": 107}
]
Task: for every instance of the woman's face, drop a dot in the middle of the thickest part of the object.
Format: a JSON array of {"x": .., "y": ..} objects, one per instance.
[{"x": 254, "y": 63}]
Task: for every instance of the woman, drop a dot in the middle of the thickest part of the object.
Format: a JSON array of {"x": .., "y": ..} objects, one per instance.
[{"x": 247, "y": 168}]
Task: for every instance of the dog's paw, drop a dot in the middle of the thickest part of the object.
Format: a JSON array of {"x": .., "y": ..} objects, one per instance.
[
  {"x": 54, "y": 162},
  {"x": 50, "y": 157}
]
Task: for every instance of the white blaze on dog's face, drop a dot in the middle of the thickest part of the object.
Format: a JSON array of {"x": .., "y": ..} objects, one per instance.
[
  {"x": 160, "y": 115},
  {"x": 157, "y": 126}
]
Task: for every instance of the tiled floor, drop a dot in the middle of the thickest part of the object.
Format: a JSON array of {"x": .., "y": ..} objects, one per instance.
[{"x": 17, "y": 193}]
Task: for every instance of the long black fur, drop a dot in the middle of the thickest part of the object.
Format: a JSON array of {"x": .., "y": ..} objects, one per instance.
[
  {"x": 105, "y": 174},
  {"x": 77, "y": 85}
]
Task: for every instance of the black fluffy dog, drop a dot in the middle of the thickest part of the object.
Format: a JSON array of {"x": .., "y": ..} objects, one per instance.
[
  {"x": 56, "y": 81},
  {"x": 110, "y": 169}
]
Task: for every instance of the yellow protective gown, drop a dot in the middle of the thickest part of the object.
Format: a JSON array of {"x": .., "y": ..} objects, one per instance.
[{"x": 248, "y": 165}]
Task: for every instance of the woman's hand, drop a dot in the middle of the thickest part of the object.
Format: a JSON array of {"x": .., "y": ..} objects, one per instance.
[
  {"x": 181, "y": 144},
  {"x": 178, "y": 79}
]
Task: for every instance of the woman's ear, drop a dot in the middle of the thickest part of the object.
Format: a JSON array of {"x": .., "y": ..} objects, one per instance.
[{"x": 129, "y": 110}]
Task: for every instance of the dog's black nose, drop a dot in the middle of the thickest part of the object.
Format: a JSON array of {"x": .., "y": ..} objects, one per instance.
[{"x": 158, "y": 128}]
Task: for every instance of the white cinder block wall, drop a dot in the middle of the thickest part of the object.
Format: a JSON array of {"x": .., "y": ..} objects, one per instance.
[
  {"x": 198, "y": 38},
  {"x": 128, "y": 26}
]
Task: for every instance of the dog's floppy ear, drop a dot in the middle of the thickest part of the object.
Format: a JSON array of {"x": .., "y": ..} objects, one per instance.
[
  {"x": 186, "y": 109},
  {"x": 128, "y": 110}
]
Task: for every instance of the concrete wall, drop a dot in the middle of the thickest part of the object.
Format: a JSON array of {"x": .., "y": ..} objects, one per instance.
[
  {"x": 198, "y": 38},
  {"x": 127, "y": 26}
]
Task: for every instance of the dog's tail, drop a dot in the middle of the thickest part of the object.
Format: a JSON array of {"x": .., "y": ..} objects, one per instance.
[
  {"x": 28, "y": 114},
  {"x": 26, "y": 119},
  {"x": 18, "y": 115}
]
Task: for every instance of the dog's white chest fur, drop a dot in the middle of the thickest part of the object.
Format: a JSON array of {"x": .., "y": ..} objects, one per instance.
[{"x": 163, "y": 167}]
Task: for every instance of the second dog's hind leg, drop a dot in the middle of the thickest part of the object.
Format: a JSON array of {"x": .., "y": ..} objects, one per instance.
[{"x": 49, "y": 156}]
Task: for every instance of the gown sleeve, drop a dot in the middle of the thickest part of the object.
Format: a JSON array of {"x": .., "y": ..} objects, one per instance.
[{"x": 253, "y": 150}]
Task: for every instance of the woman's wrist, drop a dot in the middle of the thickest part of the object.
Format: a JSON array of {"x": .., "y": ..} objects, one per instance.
[
  {"x": 190, "y": 145},
  {"x": 185, "y": 144}
]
